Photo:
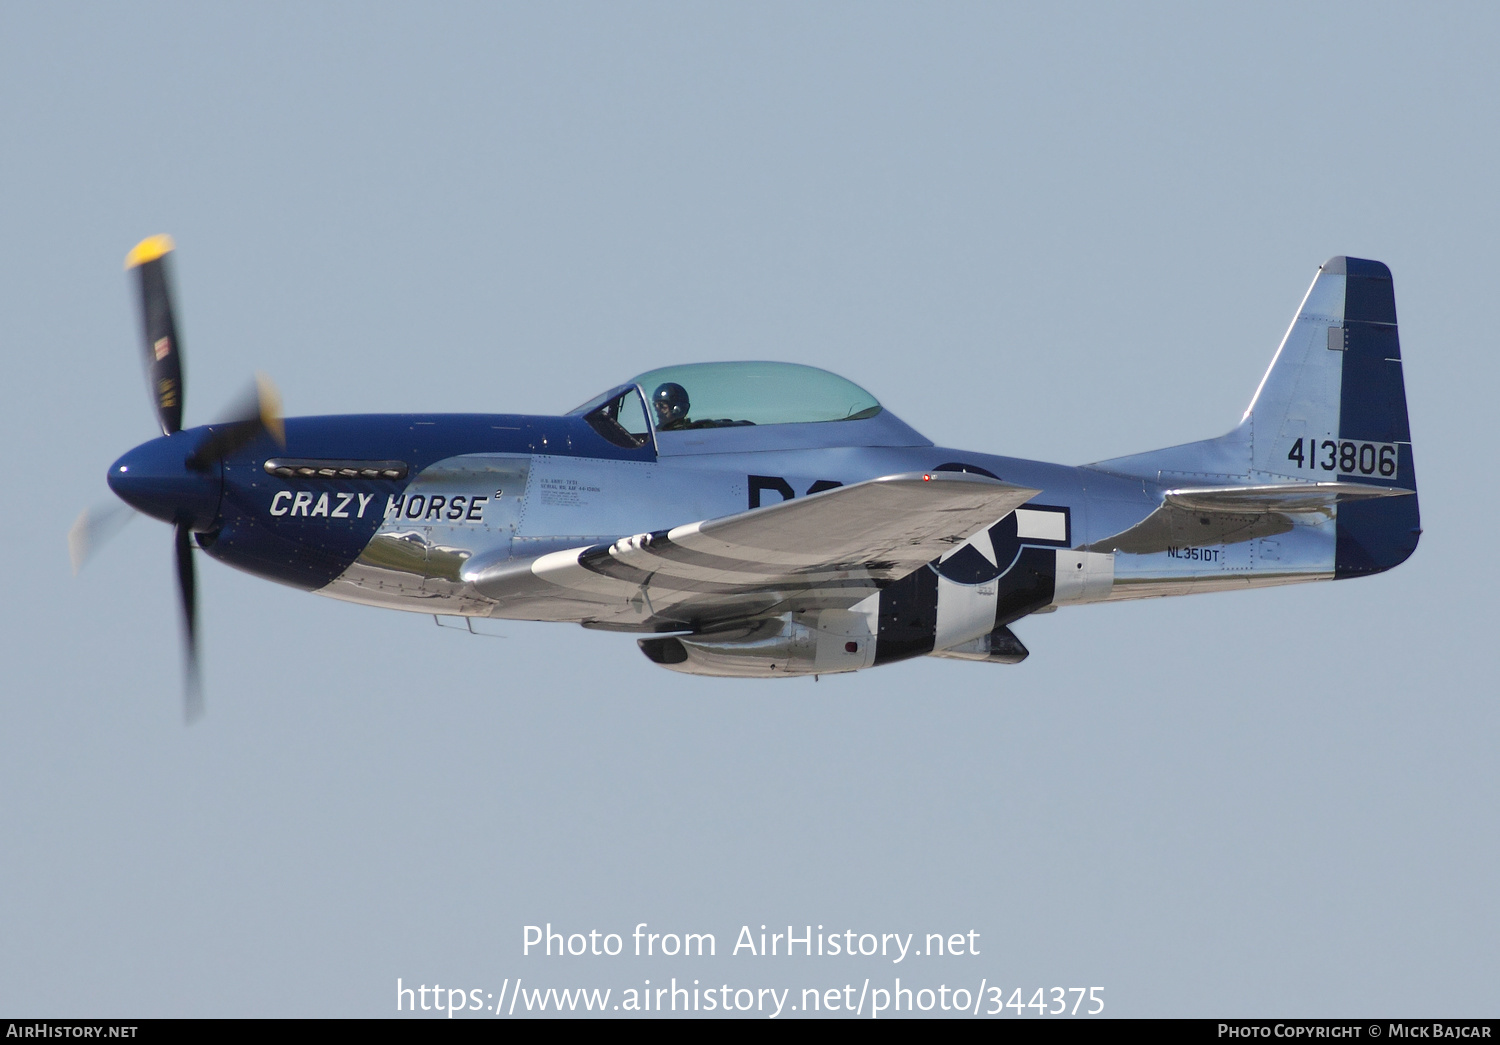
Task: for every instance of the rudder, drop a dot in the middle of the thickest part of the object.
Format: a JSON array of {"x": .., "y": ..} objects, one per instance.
[{"x": 1372, "y": 408}]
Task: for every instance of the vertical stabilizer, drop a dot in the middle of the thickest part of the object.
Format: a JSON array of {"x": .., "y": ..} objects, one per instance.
[{"x": 1331, "y": 408}]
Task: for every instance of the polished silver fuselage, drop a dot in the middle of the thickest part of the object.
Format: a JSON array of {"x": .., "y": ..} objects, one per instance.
[{"x": 541, "y": 503}]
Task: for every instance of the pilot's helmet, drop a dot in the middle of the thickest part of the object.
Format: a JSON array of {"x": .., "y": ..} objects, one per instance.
[{"x": 671, "y": 402}]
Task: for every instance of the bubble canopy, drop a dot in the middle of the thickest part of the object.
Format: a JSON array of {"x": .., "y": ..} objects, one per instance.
[{"x": 722, "y": 395}]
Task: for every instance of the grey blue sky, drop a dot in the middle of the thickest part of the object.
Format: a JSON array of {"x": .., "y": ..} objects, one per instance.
[{"x": 1061, "y": 232}]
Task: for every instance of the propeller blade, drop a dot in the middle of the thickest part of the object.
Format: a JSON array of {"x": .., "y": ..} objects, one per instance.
[
  {"x": 93, "y": 527},
  {"x": 257, "y": 410},
  {"x": 163, "y": 349},
  {"x": 192, "y": 707}
]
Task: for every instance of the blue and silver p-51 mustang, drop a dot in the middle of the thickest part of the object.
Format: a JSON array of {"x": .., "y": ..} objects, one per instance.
[{"x": 769, "y": 519}]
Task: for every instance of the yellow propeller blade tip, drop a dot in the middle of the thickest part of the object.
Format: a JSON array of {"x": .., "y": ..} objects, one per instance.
[
  {"x": 270, "y": 408},
  {"x": 148, "y": 249}
]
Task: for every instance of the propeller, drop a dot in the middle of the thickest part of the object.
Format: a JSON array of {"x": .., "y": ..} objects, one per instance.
[
  {"x": 176, "y": 480},
  {"x": 187, "y": 589},
  {"x": 93, "y": 527},
  {"x": 163, "y": 358},
  {"x": 257, "y": 410}
]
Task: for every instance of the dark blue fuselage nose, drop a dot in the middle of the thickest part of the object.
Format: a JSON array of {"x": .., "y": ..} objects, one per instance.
[{"x": 156, "y": 478}]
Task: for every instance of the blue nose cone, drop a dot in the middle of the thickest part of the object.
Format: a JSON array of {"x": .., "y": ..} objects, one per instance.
[{"x": 155, "y": 478}]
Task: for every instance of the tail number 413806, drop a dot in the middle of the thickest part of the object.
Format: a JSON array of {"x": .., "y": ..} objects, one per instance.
[{"x": 1344, "y": 457}]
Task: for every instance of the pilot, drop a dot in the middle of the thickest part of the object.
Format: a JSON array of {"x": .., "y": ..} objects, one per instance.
[{"x": 671, "y": 402}]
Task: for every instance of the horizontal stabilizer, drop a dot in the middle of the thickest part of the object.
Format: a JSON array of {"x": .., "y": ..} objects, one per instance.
[{"x": 1211, "y": 515}]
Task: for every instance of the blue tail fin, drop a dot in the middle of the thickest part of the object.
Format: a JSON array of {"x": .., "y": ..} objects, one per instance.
[{"x": 1372, "y": 411}]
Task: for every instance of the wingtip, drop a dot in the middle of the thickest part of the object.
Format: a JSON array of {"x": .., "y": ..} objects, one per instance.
[
  {"x": 962, "y": 478},
  {"x": 149, "y": 249}
]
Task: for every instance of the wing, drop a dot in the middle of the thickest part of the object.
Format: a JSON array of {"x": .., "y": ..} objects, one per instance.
[
  {"x": 1197, "y": 517},
  {"x": 826, "y": 550}
]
